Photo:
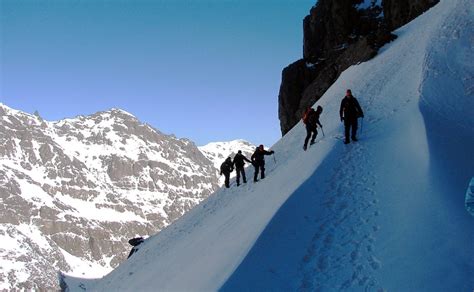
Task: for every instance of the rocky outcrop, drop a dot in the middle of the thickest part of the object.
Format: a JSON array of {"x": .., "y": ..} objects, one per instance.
[
  {"x": 400, "y": 12},
  {"x": 338, "y": 34}
]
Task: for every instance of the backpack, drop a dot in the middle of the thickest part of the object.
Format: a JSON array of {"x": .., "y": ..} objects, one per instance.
[{"x": 305, "y": 115}]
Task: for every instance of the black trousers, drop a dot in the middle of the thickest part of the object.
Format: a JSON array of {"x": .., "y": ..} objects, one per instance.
[
  {"x": 310, "y": 130},
  {"x": 259, "y": 166},
  {"x": 348, "y": 125},
  {"x": 227, "y": 177},
  {"x": 240, "y": 170}
]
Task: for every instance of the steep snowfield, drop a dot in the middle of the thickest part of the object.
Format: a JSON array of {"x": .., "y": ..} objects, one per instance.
[{"x": 386, "y": 213}]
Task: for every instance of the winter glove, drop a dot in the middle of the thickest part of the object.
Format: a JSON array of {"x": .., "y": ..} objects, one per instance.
[
  {"x": 342, "y": 119},
  {"x": 272, "y": 152}
]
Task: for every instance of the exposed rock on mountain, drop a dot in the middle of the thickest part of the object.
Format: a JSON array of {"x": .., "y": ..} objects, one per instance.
[
  {"x": 338, "y": 34},
  {"x": 400, "y": 12},
  {"x": 74, "y": 191}
]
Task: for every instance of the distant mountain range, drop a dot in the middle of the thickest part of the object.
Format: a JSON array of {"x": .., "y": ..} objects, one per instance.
[{"x": 74, "y": 191}]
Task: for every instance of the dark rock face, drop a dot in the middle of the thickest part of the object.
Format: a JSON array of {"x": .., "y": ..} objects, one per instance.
[
  {"x": 400, "y": 12},
  {"x": 338, "y": 34}
]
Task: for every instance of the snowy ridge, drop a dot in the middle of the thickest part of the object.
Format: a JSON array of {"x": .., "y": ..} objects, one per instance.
[{"x": 386, "y": 213}]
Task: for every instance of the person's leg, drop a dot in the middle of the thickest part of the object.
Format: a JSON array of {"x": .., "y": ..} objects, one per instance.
[
  {"x": 255, "y": 175},
  {"x": 347, "y": 128},
  {"x": 227, "y": 177},
  {"x": 238, "y": 176},
  {"x": 243, "y": 176},
  {"x": 315, "y": 133},
  {"x": 263, "y": 170},
  {"x": 308, "y": 135},
  {"x": 354, "y": 130}
]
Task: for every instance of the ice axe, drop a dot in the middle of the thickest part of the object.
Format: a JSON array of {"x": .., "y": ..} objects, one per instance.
[{"x": 322, "y": 131}]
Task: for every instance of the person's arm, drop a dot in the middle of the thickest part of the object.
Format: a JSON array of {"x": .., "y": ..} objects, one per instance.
[
  {"x": 341, "y": 110},
  {"x": 359, "y": 109},
  {"x": 246, "y": 159}
]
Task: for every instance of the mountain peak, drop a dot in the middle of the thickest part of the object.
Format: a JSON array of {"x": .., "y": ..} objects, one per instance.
[{"x": 120, "y": 112}]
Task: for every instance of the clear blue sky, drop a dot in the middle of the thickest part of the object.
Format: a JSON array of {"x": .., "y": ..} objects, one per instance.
[{"x": 206, "y": 70}]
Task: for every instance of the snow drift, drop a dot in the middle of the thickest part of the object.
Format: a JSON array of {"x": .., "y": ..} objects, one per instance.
[{"x": 384, "y": 213}]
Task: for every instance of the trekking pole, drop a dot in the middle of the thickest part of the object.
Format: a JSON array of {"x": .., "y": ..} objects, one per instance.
[
  {"x": 274, "y": 159},
  {"x": 323, "y": 132}
]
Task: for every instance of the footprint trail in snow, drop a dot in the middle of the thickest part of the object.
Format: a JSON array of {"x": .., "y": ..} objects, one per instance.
[{"x": 341, "y": 255}]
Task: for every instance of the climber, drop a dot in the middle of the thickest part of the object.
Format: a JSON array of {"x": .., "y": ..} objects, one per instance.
[
  {"x": 349, "y": 112},
  {"x": 311, "y": 120},
  {"x": 258, "y": 161},
  {"x": 239, "y": 162},
  {"x": 135, "y": 242},
  {"x": 226, "y": 169}
]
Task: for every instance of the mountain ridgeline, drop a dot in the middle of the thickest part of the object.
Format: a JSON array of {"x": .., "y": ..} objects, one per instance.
[
  {"x": 338, "y": 34},
  {"x": 74, "y": 191}
]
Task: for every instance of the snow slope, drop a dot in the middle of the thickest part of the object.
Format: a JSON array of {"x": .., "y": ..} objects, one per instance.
[{"x": 386, "y": 213}]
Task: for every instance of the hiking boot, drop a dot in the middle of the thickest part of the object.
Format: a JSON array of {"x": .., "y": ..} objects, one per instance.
[
  {"x": 347, "y": 141},
  {"x": 354, "y": 139},
  {"x": 312, "y": 142},
  {"x": 305, "y": 147}
]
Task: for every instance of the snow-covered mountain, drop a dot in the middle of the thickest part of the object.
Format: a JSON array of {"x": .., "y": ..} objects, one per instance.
[
  {"x": 385, "y": 213},
  {"x": 74, "y": 191}
]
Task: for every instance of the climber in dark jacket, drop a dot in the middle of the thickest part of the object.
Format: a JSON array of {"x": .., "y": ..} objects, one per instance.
[
  {"x": 226, "y": 168},
  {"x": 349, "y": 112},
  {"x": 311, "y": 119},
  {"x": 135, "y": 242},
  {"x": 258, "y": 161},
  {"x": 239, "y": 162}
]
